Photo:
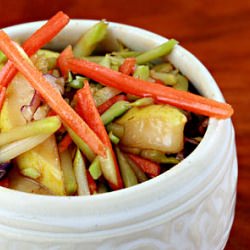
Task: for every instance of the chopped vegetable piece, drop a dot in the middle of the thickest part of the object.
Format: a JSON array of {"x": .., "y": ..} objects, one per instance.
[
  {"x": 157, "y": 52},
  {"x": 31, "y": 172},
  {"x": 182, "y": 83},
  {"x": 115, "y": 111},
  {"x": 141, "y": 72},
  {"x": 91, "y": 183},
  {"x": 158, "y": 156},
  {"x": 128, "y": 175},
  {"x": 158, "y": 127},
  {"x": 128, "y": 66},
  {"x": 45, "y": 126},
  {"x": 141, "y": 176},
  {"x": 3, "y": 57},
  {"x": 24, "y": 184},
  {"x": 149, "y": 167},
  {"x": 14, "y": 149},
  {"x": 88, "y": 42},
  {"x": 163, "y": 67},
  {"x": 95, "y": 169},
  {"x": 70, "y": 184},
  {"x": 81, "y": 174},
  {"x": 52, "y": 97},
  {"x": 116, "y": 129},
  {"x": 166, "y": 78},
  {"x": 82, "y": 145},
  {"x": 104, "y": 94},
  {"x": 113, "y": 138},
  {"x": 2, "y": 96},
  {"x": 142, "y": 102},
  {"x": 106, "y": 105}
]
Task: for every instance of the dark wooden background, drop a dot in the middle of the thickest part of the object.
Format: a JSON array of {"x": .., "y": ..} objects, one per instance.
[{"x": 217, "y": 32}]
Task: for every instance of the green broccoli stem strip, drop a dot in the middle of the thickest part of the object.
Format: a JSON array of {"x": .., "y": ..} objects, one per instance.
[
  {"x": 45, "y": 126},
  {"x": 156, "y": 52}
]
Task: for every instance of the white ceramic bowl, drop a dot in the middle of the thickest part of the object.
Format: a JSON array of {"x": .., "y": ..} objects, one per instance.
[{"x": 190, "y": 206}]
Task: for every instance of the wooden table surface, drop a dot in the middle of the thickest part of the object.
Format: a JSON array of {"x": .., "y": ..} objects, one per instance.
[{"x": 217, "y": 32}]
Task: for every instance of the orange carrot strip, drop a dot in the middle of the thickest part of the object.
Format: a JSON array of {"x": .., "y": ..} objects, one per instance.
[
  {"x": 128, "y": 84},
  {"x": 50, "y": 95},
  {"x": 89, "y": 112},
  {"x": 128, "y": 66},
  {"x": 91, "y": 183},
  {"x": 106, "y": 105},
  {"x": 2, "y": 96},
  {"x": 36, "y": 41},
  {"x": 62, "y": 60},
  {"x": 151, "y": 168},
  {"x": 64, "y": 143}
]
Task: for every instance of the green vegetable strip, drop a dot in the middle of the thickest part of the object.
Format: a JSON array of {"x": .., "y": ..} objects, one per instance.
[
  {"x": 104, "y": 94},
  {"x": 157, "y": 156},
  {"x": 95, "y": 168},
  {"x": 182, "y": 83},
  {"x": 106, "y": 62},
  {"x": 157, "y": 52},
  {"x": 141, "y": 176},
  {"x": 113, "y": 138},
  {"x": 142, "y": 102},
  {"x": 128, "y": 175},
  {"x": 30, "y": 172},
  {"x": 96, "y": 59},
  {"x": 69, "y": 178},
  {"x": 3, "y": 57},
  {"x": 80, "y": 174},
  {"x": 116, "y": 129},
  {"x": 82, "y": 145},
  {"x": 114, "y": 111},
  {"x": 141, "y": 72},
  {"x": 12, "y": 150},
  {"x": 163, "y": 67},
  {"x": 77, "y": 83},
  {"x": 126, "y": 53},
  {"x": 166, "y": 78},
  {"x": 45, "y": 126},
  {"x": 88, "y": 42}
]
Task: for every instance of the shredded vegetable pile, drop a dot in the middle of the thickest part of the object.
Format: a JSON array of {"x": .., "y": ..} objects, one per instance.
[{"x": 87, "y": 120}]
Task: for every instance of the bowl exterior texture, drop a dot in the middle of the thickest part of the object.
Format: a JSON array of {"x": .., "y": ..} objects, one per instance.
[{"x": 189, "y": 207}]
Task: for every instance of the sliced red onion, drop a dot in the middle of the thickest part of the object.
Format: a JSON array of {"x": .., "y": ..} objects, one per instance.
[
  {"x": 29, "y": 110},
  {"x": 4, "y": 169},
  {"x": 57, "y": 82}
]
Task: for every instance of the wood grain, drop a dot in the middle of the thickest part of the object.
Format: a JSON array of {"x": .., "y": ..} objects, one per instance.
[{"x": 217, "y": 32}]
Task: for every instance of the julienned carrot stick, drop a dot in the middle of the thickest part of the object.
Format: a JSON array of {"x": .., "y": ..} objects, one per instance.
[
  {"x": 181, "y": 99},
  {"x": 89, "y": 112},
  {"x": 106, "y": 105},
  {"x": 151, "y": 168},
  {"x": 2, "y": 96},
  {"x": 91, "y": 183},
  {"x": 63, "y": 58},
  {"x": 50, "y": 95},
  {"x": 36, "y": 41},
  {"x": 64, "y": 143},
  {"x": 128, "y": 66}
]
